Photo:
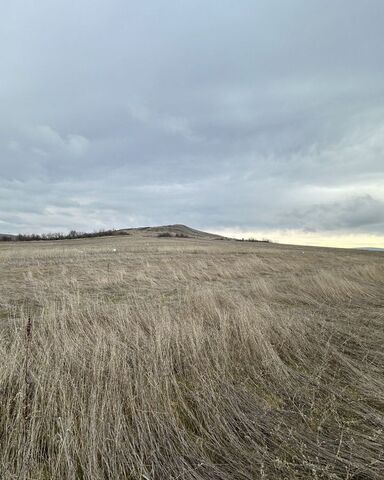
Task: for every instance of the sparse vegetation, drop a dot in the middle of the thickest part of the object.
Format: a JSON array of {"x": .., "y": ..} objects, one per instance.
[
  {"x": 73, "y": 234},
  {"x": 251, "y": 239},
  {"x": 170, "y": 235},
  {"x": 6, "y": 238},
  {"x": 131, "y": 359}
]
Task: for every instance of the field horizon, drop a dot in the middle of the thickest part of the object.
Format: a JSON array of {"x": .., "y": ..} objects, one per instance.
[
  {"x": 172, "y": 230},
  {"x": 156, "y": 357}
]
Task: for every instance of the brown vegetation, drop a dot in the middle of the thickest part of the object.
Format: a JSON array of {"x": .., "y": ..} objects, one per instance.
[{"x": 131, "y": 358}]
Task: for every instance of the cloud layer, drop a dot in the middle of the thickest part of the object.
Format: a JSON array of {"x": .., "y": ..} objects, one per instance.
[{"x": 242, "y": 116}]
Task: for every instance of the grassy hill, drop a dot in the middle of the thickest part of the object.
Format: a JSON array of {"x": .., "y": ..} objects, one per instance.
[
  {"x": 137, "y": 357},
  {"x": 171, "y": 230},
  {"x": 176, "y": 231}
]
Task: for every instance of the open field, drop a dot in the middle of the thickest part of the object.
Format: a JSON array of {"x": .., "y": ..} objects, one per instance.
[{"x": 175, "y": 358}]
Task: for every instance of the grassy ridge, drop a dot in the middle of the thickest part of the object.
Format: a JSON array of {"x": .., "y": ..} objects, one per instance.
[{"x": 190, "y": 360}]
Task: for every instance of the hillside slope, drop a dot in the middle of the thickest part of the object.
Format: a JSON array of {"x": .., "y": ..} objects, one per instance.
[{"x": 173, "y": 230}]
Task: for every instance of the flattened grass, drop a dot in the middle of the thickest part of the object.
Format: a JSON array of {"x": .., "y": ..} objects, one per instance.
[{"x": 191, "y": 359}]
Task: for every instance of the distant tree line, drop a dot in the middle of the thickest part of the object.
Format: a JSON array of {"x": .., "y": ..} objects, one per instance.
[
  {"x": 264, "y": 240},
  {"x": 7, "y": 238},
  {"x": 59, "y": 236}
]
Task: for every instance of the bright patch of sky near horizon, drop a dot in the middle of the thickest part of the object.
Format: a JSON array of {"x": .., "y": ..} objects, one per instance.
[
  {"x": 320, "y": 239},
  {"x": 260, "y": 117}
]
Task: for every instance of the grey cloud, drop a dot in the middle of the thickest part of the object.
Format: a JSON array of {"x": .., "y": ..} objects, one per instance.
[
  {"x": 359, "y": 212},
  {"x": 219, "y": 114}
]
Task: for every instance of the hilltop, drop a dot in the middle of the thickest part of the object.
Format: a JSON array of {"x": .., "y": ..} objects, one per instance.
[
  {"x": 176, "y": 230},
  {"x": 170, "y": 230}
]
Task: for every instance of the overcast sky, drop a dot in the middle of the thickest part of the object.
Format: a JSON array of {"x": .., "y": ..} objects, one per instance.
[{"x": 261, "y": 117}]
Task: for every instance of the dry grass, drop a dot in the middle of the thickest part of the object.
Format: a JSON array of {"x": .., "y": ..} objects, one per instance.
[{"x": 185, "y": 359}]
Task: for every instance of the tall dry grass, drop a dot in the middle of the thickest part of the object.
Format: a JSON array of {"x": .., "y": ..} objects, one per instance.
[{"x": 176, "y": 359}]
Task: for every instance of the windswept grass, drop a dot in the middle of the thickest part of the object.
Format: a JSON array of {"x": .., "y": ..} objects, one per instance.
[{"x": 190, "y": 360}]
